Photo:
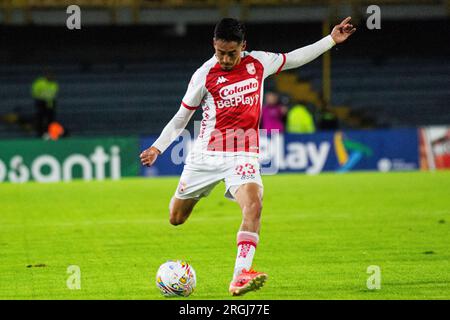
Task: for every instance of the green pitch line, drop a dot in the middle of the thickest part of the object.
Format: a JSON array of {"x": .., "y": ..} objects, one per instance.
[{"x": 319, "y": 235}]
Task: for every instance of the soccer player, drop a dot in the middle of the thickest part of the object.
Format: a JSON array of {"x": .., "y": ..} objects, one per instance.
[{"x": 229, "y": 90}]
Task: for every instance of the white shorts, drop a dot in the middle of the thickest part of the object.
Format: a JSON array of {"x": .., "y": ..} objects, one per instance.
[{"x": 200, "y": 177}]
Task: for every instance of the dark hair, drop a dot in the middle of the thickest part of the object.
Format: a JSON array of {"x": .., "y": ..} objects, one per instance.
[{"x": 229, "y": 29}]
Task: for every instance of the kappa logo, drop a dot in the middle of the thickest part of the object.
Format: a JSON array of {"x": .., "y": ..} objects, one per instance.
[{"x": 221, "y": 80}]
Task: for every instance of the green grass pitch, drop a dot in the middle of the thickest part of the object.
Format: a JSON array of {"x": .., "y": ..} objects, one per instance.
[{"x": 319, "y": 235}]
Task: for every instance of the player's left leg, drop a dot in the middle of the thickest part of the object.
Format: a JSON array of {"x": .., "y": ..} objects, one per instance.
[{"x": 249, "y": 198}]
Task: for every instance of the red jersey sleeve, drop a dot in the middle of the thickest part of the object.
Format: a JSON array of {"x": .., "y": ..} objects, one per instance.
[
  {"x": 272, "y": 62},
  {"x": 195, "y": 91}
]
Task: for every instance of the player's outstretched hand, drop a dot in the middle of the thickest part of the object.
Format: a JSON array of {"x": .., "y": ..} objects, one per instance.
[
  {"x": 148, "y": 156},
  {"x": 342, "y": 31}
]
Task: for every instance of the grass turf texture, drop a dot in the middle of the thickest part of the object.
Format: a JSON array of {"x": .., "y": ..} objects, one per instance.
[{"x": 319, "y": 234}]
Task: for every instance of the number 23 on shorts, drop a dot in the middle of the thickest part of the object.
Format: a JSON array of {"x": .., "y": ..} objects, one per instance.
[{"x": 244, "y": 169}]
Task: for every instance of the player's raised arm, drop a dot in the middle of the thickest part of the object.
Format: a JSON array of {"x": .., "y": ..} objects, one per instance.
[
  {"x": 342, "y": 31},
  {"x": 339, "y": 34},
  {"x": 170, "y": 132}
]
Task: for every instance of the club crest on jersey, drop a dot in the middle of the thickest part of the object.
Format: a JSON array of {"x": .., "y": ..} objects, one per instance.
[{"x": 251, "y": 68}]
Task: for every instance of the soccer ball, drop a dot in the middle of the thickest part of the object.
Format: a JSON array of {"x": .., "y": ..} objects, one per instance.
[{"x": 176, "y": 278}]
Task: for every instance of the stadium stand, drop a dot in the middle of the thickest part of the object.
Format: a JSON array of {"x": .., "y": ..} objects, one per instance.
[
  {"x": 396, "y": 92},
  {"x": 137, "y": 99},
  {"x": 104, "y": 100},
  {"x": 128, "y": 80}
]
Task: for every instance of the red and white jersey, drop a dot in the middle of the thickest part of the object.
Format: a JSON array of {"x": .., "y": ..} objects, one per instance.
[{"x": 231, "y": 102}]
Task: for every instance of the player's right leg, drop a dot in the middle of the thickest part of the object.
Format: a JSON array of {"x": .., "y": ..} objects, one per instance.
[
  {"x": 180, "y": 209},
  {"x": 196, "y": 182}
]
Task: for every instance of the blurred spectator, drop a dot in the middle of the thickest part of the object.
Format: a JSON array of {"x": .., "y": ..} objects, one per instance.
[
  {"x": 55, "y": 130},
  {"x": 44, "y": 91},
  {"x": 273, "y": 113},
  {"x": 327, "y": 120},
  {"x": 300, "y": 120}
]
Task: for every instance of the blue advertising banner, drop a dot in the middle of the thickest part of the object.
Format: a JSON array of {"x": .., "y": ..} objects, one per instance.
[
  {"x": 164, "y": 165},
  {"x": 380, "y": 150}
]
